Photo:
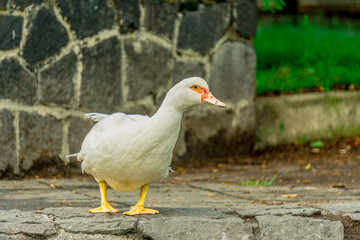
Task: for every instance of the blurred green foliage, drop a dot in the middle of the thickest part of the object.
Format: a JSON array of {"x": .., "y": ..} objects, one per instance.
[
  {"x": 295, "y": 56},
  {"x": 317, "y": 144},
  {"x": 278, "y": 5}
]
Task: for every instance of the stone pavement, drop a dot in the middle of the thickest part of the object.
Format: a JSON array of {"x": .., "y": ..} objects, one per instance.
[{"x": 57, "y": 209}]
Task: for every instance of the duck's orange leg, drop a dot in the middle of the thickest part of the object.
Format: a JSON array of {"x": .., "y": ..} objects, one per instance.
[
  {"x": 139, "y": 207},
  {"x": 105, "y": 205}
]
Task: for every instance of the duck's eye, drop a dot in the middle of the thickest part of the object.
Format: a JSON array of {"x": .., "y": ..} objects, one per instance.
[{"x": 197, "y": 88}]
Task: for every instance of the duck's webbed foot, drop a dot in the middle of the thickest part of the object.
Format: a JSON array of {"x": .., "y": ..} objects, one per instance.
[
  {"x": 105, "y": 205},
  {"x": 104, "y": 208},
  {"x": 139, "y": 207}
]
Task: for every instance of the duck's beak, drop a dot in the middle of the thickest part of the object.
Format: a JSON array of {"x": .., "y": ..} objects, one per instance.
[{"x": 208, "y": 97}]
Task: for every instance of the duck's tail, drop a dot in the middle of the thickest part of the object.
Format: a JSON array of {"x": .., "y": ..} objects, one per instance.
[
  {"x": 78, "y": 156},
  {"x": 72, "y": 155},
  {"x": 96, "y": 117}
]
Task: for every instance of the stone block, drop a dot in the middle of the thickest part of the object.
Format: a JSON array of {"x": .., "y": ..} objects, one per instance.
[
  {"x": 66, "y": 212},
  {"x": 3, "y": 4},
  {"x": 78, "y": 129},
  {"x": 354, "y": 216},
  {"x": 233, "y": 71},
  {"x": 10, "y": 31},
  {"x": 87, "y": 17},
  {"x": 149, "y": 66},
  {"x": 185, "y": 69},
  {"x": 100, "y": 225},
  {"x": 19, "y": 222},
  {"x": 16, "y": 82},
  {"x": 193, "y": 227},
  {"x": 45, "y": 38},
  {"x": 68, "y": 218},
  {"x": 160, "y": 17},
  {"x": 299, "y": 228},
  {"x": 101, "y": 77},
  {"x": 244, "y": 15},
  {"x": 7, "y": 142},
  {"x": 7, "y": 237},
  {"x": 40, "y": 140},
  {"x": 129, "y": 15},
  {"x": 200, "y": 30},
  {"x": 342, "y": 208},
  {"x": 56, "y": 81},
  {"x": 278, "y": 211},
  {"x": 22, "y": 4}
]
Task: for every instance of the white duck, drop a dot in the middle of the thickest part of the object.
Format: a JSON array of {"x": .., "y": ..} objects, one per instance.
[{"x": 131, "y": 151}]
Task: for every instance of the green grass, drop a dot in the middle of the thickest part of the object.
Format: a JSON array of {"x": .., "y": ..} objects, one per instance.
[
  {"x": 292, "y": 57},
  {"x": 262, "y": 181}
]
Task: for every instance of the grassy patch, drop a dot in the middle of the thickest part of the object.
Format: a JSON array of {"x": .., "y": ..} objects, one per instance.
[
  {"x": 306, "y": 55},
  {"x": 262, "y": 181}
]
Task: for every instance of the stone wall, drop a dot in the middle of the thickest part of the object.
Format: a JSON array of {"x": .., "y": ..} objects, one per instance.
[{"x": 61, "y": 59}]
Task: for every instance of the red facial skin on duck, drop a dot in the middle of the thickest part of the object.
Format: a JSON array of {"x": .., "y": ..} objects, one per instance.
[
  {"x": 208, "y": 97},
  {"x": 205, "y": 95}
]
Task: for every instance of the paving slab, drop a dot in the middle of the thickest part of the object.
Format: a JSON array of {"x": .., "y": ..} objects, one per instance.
[
  {"x": 277, "y": 211},
  {"x": 194, "y": 227},
  {"x": 28, "y": 223},
  {"x": 298, "y": 228},
  {"x": 57, "y": 209}
]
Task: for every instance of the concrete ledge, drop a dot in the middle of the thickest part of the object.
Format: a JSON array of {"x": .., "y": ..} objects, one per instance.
[{"x": 306, "y": 117}]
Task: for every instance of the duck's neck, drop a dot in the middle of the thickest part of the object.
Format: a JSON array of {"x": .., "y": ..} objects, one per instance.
[
  {"x": 166, "y": 122},
  {"x": 174, "y": 102},
  {"x": 168, "y": 119}
]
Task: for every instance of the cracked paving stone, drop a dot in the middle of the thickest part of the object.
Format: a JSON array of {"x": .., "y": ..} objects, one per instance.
[
  {"x": 196, "y": 211},
  {"x": 193, "y": 227},
  {"x": 79, "y": 220},
  {"x": 347, "y": 209},
  {"x": 30, "y": 224},
  {"x": 35, "y": 194},
  {"x": 65, "y": 235},
  {"x": 278, "y": 210},
  {"x": 342, "y": 208},
  {"x": 115, "y": 224},
  {"x": 299, "y": 228},
  {"x": 67, "y": 212},
  {"x": 8, "y": 237},
  {"x": 353, "y": 216},
  {"x": 176, "y": 212}
]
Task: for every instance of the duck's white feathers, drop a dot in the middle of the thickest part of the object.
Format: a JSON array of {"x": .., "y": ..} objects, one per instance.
[
  {"x": 96, "y": 117},
  {"x": 105, "y": 121},
  {"x": 129, "y": 151}
]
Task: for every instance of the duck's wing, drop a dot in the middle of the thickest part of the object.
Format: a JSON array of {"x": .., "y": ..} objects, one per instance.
[
  {"x": 104, "y": 122},
  {"x": 96, "y": 117},
  {"x": 117, "y": 117}
]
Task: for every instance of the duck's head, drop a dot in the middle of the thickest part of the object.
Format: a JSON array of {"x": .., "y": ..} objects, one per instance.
[{"x": 190, "y": 91}]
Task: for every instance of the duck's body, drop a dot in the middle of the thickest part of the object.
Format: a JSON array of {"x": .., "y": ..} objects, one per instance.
[{"x": 131, "y": 151}]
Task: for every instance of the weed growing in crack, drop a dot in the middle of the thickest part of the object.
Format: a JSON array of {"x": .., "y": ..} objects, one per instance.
[{"x": 264, "y": 180}]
